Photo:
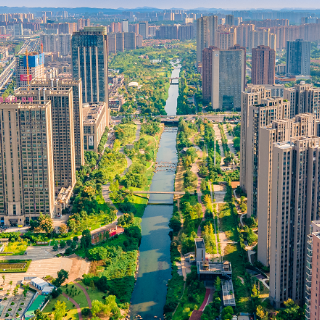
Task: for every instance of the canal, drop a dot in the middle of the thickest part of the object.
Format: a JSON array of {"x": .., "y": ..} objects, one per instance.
[{"x": 149, "y": 295}]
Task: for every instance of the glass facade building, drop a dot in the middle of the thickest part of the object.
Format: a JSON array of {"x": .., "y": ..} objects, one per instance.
[{"x": 89, "y": 51}]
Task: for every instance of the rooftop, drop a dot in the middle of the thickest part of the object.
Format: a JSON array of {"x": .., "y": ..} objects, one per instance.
[
  {"x": 91, "y": 112},
  {"x": 199, "y": 243},
  {"x": 228, "y": 294},
  {"x": 215, "y": 267}
]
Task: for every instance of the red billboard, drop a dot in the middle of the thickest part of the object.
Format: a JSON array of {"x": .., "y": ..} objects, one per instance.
[{"x": 24, "y": 77}]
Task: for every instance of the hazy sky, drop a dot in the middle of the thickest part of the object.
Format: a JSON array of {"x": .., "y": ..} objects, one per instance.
[{"x": 163, "y": 4}]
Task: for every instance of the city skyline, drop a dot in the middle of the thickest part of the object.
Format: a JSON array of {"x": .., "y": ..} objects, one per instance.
[{"x": 145, "y": 5}]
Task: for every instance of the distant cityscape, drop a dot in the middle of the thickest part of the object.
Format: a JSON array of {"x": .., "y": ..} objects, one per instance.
[{"x": 251, "y": 74}]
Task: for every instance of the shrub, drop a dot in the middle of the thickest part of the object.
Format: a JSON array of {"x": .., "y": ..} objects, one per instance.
[
  {"x": 62, "y": 244},
  {"x": 9, "y": 309},
  {"x": 12, "y": 303},
  {"x": 7, "y": 314},
  {"x": 19, "y": 309},
  {"x": 55, "y": 247},
  {"x": 68, "y": 251},
  {"x": 86, "y": 312},
  {"x": 69, "y": 242}
]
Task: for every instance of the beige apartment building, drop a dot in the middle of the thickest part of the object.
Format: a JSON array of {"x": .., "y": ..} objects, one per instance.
[
  {"x": 94, "y": 124},
  {"x": 277, "y": 131},
  {"x": 312, "y": 273},
  {"x": 26, "y": 166},
  {"x": 255, "y": 114},
  {"x": 252, "y": 96},
  {"x": 303, "y": 98},
  {"x": 294, "y": 204},
  {"x": 55, "y": 84},
  {"x": 62, "y": 130}
]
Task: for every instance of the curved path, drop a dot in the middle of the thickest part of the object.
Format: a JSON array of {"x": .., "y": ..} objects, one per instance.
[
  {"x": 75, "y": 303},
  {"x": 85, "y": 292}
]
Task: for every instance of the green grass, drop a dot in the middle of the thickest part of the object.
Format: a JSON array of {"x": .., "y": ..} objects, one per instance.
[
  {"x": 71, "y": 309},
  {"x": 15, "y": 248},
  {"x": 242, "y": 294},
  {"x": 227, "y": 222},
  {"x": 186, "y": 305},
  {"x": 94, "y": 293}
]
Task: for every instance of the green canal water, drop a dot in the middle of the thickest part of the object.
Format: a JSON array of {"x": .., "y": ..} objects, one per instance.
[{"x": 149, "y": 295}]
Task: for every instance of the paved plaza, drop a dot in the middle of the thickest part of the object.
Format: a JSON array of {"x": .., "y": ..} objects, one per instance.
[{"x": 44, "y": 263}]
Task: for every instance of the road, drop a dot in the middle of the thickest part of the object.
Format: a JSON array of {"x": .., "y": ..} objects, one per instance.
[{"x": 6, "y": 75}]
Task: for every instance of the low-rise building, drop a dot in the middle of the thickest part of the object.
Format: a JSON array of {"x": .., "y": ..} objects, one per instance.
[
  {"x": 62, "y": 200},
  {"x": 94, "y": 124}
]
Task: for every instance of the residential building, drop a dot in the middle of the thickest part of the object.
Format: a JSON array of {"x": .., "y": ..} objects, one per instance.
[
  {"x": 119, "y": 42},
  {"x": 258, "y": 116},
  {"x": 312, "y": 272},
  {"x": 303, "y": 98},
  {"x": 278, "y": 131},
  {"x": 62, "y": 129},
  {"x": 129, "y": 40},
  {"x": 223, "y": 77},
  {"x": 29, "y": 69},
  {"x": 206, "y": 34},
  {"x": 125, "y": 25},
  {"x": 94, "y": 125},
  {"x": 229, "y": 20},
  {"x": 26, "y": 166},
  {"x": 143, "y": 29},
  {"x": 56, "y": 43},
  {"x": 258, "y": 37},
  {"x": 18, "y": 29},
  {"x": 90, "y": 63},
  {"x": 298, "y": 57},
  {"x": 226, "y": 38},
  {"x": 112, "y": 42},
  {"x": 263, "y": 65},
  {"x": 295, "y": 185}
]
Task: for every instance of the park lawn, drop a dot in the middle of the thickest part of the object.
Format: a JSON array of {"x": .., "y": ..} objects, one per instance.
[
  {"x": 130, "y": 133},
  {"x": 94, "y": 293},
  {"x": 72, "y": 312},
  {"x": 76, "y": 294},
  {"x": 227, "y": 222},
  {"x": 16, "y": 248},
  {"x": 242, "y": 292},
  {"x": 185, "y": 304}
]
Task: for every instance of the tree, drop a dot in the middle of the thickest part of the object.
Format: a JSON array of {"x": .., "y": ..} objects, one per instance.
[
  {"x": 25, "y": 290},
  {"x": 56, "y": 293},
  {"x": 39, "y": 315},
  {"x": 62, "y": 244},
  {"x": 62, "y": 276},
  {"x": 98, "y": 253},
  {"x": 109, "y": 309},
  {"x": 63, "y": 228},
  {"x": 227, "y": 313},
  {"x": 45, "y": 223},
  {"x": 86, "y": 239},
  {"x": 60, "y": 310},
  {"x": 291, "y": 311},
  {"x": 261, "y": 314}
]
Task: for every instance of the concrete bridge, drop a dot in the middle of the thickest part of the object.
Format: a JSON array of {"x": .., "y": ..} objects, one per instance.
[
  {"x": 158, "y": 192},
  {"x": 171, "y": 81}
]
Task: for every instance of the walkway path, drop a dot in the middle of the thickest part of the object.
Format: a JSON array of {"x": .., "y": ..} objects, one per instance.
[
  {"x": 75, "y": 303},
  {"x": 207, "y": 298},
  {"x": 230, "y": 140},
  {"x": 214, "y": 221},
  {"x": 85, "y": 292},
  {"x": 218, "y": 137}
]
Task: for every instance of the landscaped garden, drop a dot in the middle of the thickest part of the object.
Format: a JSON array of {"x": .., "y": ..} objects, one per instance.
[{"x": 14, "y": 266}]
